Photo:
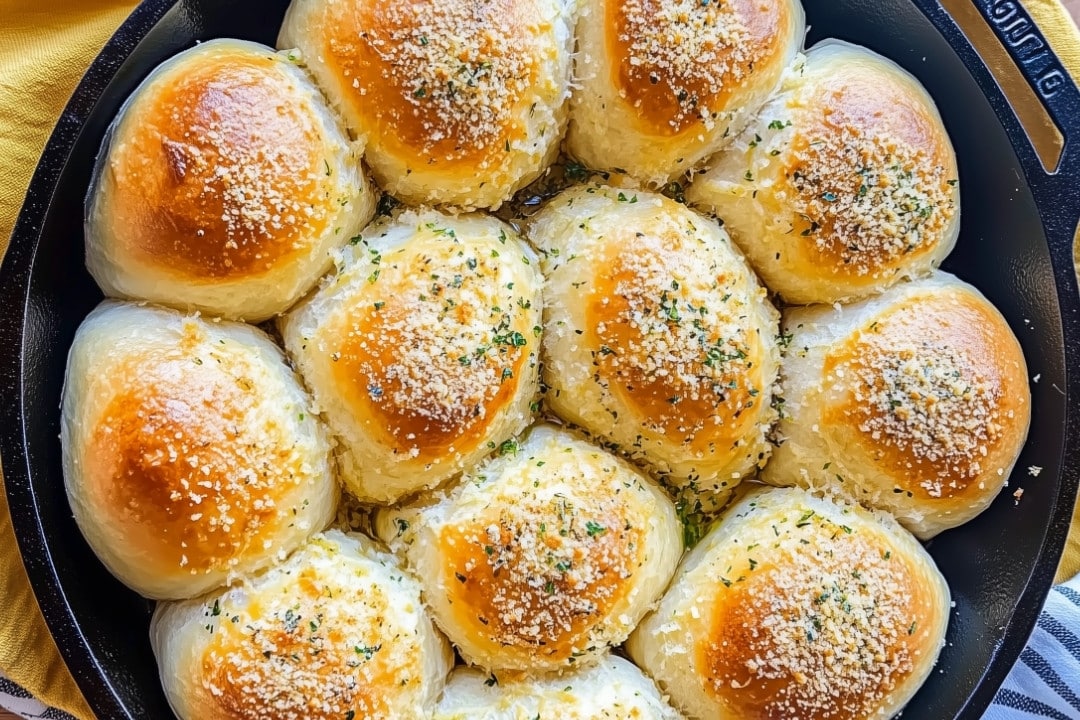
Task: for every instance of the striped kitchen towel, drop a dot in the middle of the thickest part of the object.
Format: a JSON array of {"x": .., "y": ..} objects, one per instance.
[
  {"x": 14, "y": 699},
  {"x": 1045, "y": 683}
]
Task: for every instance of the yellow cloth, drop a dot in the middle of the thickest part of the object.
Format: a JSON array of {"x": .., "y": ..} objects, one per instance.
[
  {"x": 1059, "y": 27},
  {"x": 42, "y": 43}
]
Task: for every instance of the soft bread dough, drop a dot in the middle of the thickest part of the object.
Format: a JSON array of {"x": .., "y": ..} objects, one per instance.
[
  {"x": 190, "y": 451},
  {"x": 658, "y": 337},
  {"x": 223, "y": 186},
  {"x": 915, "y": 402},
  {"x": 660, "y": 86},
  {"x": 796, "y": 607},
  {"x": 460, "y": 103},
  {"x": 337, "y": 631},
  {"x": 422, "y": 350},
  {"x": 845, "y": 184},
  {"x": 544, "y": 556},
  {"x": 613, "y": 689}
]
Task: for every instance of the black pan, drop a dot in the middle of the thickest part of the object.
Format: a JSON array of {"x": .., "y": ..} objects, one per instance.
[{"x": 1019, "y": 220}]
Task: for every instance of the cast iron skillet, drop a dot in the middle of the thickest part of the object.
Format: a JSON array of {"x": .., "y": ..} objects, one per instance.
[{"x": 1016, "y": 246}]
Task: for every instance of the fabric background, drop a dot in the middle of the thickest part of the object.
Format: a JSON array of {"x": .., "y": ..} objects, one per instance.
[{"x": 44, "y": 46}]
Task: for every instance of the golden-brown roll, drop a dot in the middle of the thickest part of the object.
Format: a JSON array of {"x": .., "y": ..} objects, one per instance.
[
  {"x": 337, "y": 631},
  {"x": 613, "y": 689},
  {"x": 844, "y": 185},
  {"x": 223, "y": 186},
  {"x": 795, "y": 607},
  {"x": 660, "y": 86},
  {"x": 916, "y": 402},
  {"x": 190, "y": 451},
  {"x": 543, "y": 557},
  {"x": 658, "y": 337},
  {"x": 422, "y": 350},
  {"x": 461, "y": 103}
]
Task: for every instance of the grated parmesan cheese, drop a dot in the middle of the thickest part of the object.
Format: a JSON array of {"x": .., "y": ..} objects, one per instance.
[
  {"x": 694, "y": 51},
  {"x": 867, "y": 198}
]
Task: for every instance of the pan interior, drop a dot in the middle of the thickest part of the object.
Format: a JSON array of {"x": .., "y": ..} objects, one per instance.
[{"x": 1002, "y": 250}]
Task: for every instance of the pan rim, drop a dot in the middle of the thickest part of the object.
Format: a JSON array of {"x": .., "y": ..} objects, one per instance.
[{"x": 15, "y": 273}]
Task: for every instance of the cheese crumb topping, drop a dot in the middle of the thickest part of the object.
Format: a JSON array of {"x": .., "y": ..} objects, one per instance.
[
  {"x": 549, "y": 569},
  {"x": 195, "y": 458},
  {"x": 673, "y": 335},
  {"x": 694, "y": 49},
  {"x": 932, "y": 403},
  {"x": 235, "y": 189},
  {"x": 553, "y": 551},
  {"x": 442, "y": 344},
  {"x": 826, "y": 621},
  {"x": 868, "y": 199},
  {"x": 312, "y": 647},
  {"x": 461, "y": 67}
]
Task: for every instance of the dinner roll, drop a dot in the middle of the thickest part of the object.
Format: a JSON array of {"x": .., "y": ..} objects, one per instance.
[
  {"x": 422, "y": 350},
  {"x": 190, "y": 451},
  {"x": 337, "y": 631},
  {"x": 660, "y": 86},
  {"x": 223, "y": 186},
  {"x": 915, "y": 402},
  {"x": 658, "y": 337},
  {"x": 844, "y": 185},
  {"x": 612, "y": 690},
  {"x": 542, "y": 557},
  {"x": 461, "y": 103},
  {"x": 794, "y": 607}
]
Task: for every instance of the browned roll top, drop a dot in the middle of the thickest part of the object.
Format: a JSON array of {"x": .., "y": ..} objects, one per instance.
[
  {"x": 667, "y": 348},
  {"x": 223, "y": 173},
  {"x": 870, "y": 174},
  {"x": 187, "y": 463},
  {"x": 543, "y": 573},
  {"x": 763, "y": 654},
  {"x": 444, "y": 396},
  {"x": 440, "y": 78},
  {"x": 934, "y": 390},
  {"x": 678, "y": 61}
]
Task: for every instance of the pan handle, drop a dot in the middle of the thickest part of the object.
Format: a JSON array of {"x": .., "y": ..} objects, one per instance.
[
  {"x": 1054, "y": 124},
  {"x": 1036, "y": 62},
  {"x": 1037, "y": 88},
  {"x": 1043, "y": 99},
  {"x": 1038, "y": 101}
]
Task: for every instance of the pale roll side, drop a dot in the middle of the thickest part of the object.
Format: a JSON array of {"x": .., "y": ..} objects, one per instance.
[{"x": 613, "y": 689}]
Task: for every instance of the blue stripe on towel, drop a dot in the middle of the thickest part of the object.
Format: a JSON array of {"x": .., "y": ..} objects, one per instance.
[
  {"x": 1018, "y": 701},
  {"x": 1046, "y": 681},
  {"x": 1031, "y": 657},
  {"x": 1068, "y": 592},
  {"x": 1061, "y": 633}
]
